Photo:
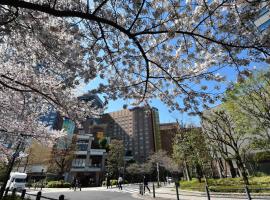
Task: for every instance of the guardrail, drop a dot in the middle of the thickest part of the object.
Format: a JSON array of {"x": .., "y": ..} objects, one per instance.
[{"x": 38, "y": 196}]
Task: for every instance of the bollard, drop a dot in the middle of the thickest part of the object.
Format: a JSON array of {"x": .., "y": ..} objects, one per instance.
[
  {"x": 6, "y": 191},
  {"x": 38, "y": 195},
  {"x": 248, "y": 193},
  {"x": 154, "y": 195},
  {"x": 177, "y": 192},
  {"x": 23, "y": 194},
  {"x": 13, "y": 191},
  {"x": 61, "y": 197},
  {"x": 207, "y": 192}
]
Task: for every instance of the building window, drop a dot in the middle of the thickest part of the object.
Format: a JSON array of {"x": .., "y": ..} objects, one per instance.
[{"x": 264, "y": 26}]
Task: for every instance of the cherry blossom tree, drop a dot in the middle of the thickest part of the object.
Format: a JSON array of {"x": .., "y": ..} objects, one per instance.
[{"x": 143, "y": 49}]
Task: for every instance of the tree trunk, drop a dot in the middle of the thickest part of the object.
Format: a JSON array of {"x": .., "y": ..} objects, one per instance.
[
  {"x": 220, "y": 168},
  {"x": 199, "y": 172},
  {"x": 187, "y": 173},
  {"x": 231, "y": 168},
  {"x": 242, "y": 169}
]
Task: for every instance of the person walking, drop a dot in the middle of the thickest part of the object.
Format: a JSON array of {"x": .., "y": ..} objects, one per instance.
[
  {"x": 120, "y": 180},
  {"x": 73, "y": 184},
  {"x": 79, "y": 185},
  {"x": 108, "y": 182},
  {"x": 145, "y": 184}
]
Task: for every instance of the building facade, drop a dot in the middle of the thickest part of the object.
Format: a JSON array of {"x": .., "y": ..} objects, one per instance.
[
  {"x": 167, "y": 135},
  {"x": 52, "y": 120},
  {"x": 263, "y": 20},
  {"x": 138, "y": 128},
  {"x": 89, "y": 162}
]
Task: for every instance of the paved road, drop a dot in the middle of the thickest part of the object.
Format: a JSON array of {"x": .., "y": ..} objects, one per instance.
[
  {"x": 91, "y": 195},
  {"x": 131, "y": 192}
]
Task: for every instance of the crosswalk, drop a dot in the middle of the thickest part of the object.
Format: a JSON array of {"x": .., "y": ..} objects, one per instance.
[{"x": 125, "y": 189}]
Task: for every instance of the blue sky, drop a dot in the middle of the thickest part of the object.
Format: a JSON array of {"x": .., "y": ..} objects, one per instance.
[{"x": 164, "y": 114}]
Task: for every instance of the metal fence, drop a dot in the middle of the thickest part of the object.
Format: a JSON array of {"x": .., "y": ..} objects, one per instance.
[
  {"x": 246, "y": 192},
  {"x": 37, "y": 196}
]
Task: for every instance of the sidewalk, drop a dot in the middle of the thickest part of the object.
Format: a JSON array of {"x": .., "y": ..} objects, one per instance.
[
  {"x": 49, "y": 190},
  {"x": 169, "y": 193}
]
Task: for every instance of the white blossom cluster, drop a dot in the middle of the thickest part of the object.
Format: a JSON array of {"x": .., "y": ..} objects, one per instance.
[
  {"x": 40, "y": 64},
  {"x": 143, "y": 49}
]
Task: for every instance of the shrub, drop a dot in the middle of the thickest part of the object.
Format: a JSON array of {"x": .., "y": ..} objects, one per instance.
[
  {"x": 228, "y": 184},
  {"x": 113, "y": 182},
  {"x": 263, "y": 180},
  {"x": 260, "y": 174},
  {"x": 58, "y": 184}
]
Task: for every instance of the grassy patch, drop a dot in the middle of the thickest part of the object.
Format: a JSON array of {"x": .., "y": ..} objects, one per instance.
[{"x": 228, "y": 184}]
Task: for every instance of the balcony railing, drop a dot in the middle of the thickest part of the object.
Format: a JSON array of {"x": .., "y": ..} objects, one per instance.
[
  {"x": 97, "y": 152},
  {"x": 78, "y": 163},
  {"x": 98, "y": 165}
]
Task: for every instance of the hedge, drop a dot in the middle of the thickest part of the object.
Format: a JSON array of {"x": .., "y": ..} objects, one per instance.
[
  {"x": 228, "y": 184},
  {"x": 58, "y": 184}
]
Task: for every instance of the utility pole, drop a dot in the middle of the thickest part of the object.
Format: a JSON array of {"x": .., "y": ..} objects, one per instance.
[{"x": 9, "y": 169}]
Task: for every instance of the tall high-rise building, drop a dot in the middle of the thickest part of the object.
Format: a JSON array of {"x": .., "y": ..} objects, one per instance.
[
  {"x": 92, "y": 97},
  {"x": 138, "y": 128},
  {"x": 263, "y": 20},
  {"x": 167, "y": 133},
  {"x": 52, "y": 120}
]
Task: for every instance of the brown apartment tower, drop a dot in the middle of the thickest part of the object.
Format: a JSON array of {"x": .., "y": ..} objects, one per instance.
[{"x": 138, "y": 128}]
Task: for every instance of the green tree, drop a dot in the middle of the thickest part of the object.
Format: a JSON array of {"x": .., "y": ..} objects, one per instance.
[
  {"x": 115, "y": 158},
  {"x": 103, "y": 143},
  {"x": 227, "y": 137},
  {"x": 190, "y": 151},
  {"x": 251, "y": 107}
]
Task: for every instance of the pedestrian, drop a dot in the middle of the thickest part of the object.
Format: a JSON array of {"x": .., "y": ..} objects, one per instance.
[
  {"x": 73, "y": 184},
  {"x": 120, "y": 180},
  {"x": 108, "y": 182},
  {"x": 145, "y": 184},
  {"x": 79, "y": 184}
]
